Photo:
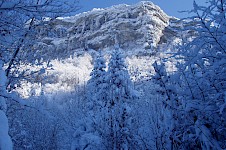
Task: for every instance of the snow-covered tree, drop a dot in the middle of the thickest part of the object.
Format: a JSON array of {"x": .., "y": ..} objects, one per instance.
[
  {"x": 205, "y": 75},
  {"x": 168, "y": 119},
  {"x": 97, "y": 83},
  {"x": 121, "y": 95},
  {"x": 96, "y": 94},
  {"x": 198, "y": 86},
  {"x": 5, "y": 140},
  {"x": 17, "y": 24}
]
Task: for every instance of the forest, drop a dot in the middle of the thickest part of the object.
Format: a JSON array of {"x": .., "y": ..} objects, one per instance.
[{"x": 114, "y": 107}]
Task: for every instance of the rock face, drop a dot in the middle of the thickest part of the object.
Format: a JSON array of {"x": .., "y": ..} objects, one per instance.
[
  {"x": 68, "y": 45},
  {"x": 129, "y": 26}
]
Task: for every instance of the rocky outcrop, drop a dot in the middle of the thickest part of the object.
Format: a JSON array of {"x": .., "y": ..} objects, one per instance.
[{"x": 142, "y": 26}]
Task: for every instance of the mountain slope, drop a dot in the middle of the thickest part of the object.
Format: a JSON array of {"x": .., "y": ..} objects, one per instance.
[
  {"x": 143, "y": 31},
  {"x": 136, "y": 26}
]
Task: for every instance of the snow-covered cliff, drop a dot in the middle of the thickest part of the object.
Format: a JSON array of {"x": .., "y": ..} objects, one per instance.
[
  {"x": 69, "y": 44},
  {"x": 143, "y": 25}
]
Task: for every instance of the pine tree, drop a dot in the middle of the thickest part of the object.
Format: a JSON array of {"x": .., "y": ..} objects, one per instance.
[
  {"x": 98, "y": 90},
  {"x": 120, "y": 97},
  {"x": 95, "y": 120},
  {"x": 97, "y": 83}
]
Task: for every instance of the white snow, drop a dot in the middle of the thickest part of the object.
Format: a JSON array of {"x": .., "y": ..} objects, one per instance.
[{"x": 5, "y": 140}]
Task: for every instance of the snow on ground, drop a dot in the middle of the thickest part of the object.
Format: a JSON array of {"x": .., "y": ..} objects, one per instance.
[
  {"x": 68, "y": 73},
  {"x": 5, "y": 141}
]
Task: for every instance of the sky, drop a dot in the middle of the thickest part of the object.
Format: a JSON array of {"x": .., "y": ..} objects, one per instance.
[{"x": 171, "y": 7}]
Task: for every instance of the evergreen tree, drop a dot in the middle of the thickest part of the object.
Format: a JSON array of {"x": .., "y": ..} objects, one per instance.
[
  {"x": 97, "y": 83},
  {"x": 93, "y": 126},
  {"x": 120, "y": 96}
]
